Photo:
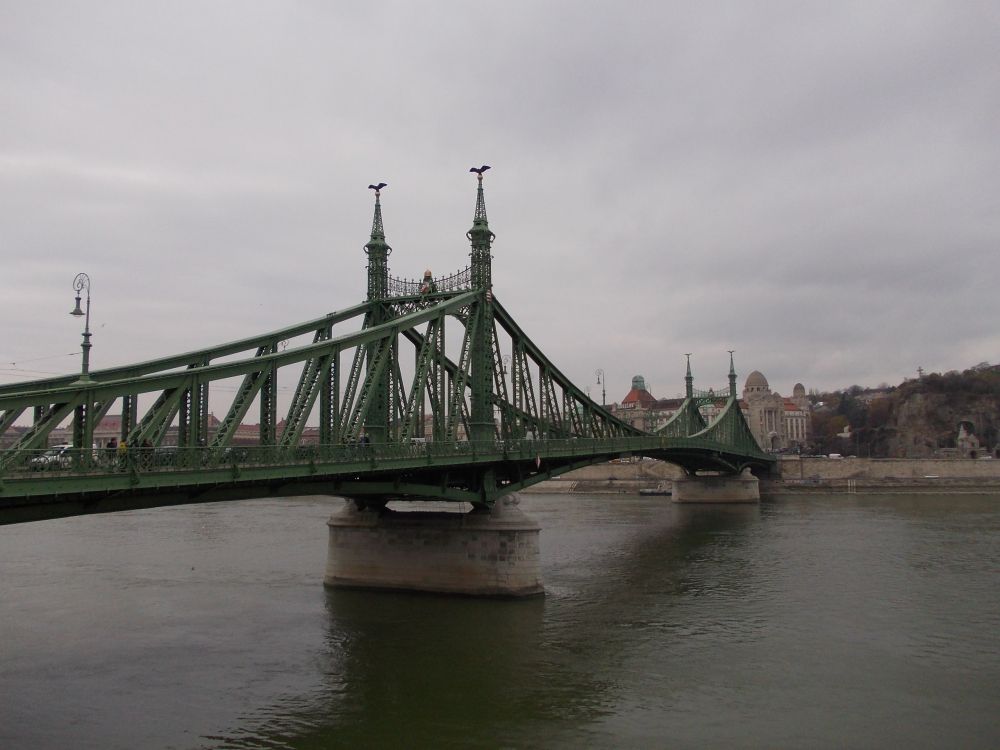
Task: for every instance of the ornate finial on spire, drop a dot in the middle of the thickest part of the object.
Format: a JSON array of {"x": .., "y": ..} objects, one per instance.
[
  {"x": 480, "y": 201},
  {"x": 377, "y": 251},
  {"x": 378, "y": 233},
  {"x": 481, "y": 237},
  {"x": 689, "y": 379}
]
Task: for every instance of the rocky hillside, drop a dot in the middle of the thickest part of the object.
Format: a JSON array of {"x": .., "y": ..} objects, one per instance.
[
  {"x": 918, "y": 419},
  {"x": 921, "y": 423}
]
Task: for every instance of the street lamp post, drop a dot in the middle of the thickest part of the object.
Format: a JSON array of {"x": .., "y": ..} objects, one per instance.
[
  {"x": 81, "y": 282},
  {"x": 601, "y": 381}
]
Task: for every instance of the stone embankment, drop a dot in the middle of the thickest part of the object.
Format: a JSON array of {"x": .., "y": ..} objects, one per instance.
[
  {"x": 612, "y": 478},
  {"x": 882, "y": 475},
  {"x": 801, "y": 475}
]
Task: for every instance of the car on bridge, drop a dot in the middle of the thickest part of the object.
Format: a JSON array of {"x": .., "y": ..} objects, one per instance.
[{"x": 56, "y": 457}]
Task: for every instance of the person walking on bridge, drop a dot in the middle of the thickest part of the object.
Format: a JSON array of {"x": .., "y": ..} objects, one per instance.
[{"x": 122, "y": 455}]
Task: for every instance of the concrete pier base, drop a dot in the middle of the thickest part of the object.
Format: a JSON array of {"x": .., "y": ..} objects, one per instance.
[
  {"x": 480, "y": 553},
  {"x": 743, "y": 488}
]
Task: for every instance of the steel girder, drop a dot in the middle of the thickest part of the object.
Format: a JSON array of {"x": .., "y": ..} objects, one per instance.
[
  {"x": 373, "y": 473},
  {"x": 732, "y": 430},
  {"x": 371, "y": 441},
  {"x": 540, "y": 426},
  {"x": 687, "y": 421},
  {"x": 188, "y": 359}
]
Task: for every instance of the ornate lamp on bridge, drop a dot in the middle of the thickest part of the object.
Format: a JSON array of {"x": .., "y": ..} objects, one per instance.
[
  {"x": 601, "y": 381},
  {"x": 81, "y": 282}
]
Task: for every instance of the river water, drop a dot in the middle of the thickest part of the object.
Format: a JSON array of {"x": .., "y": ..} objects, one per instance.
[{"x": 819, "y": 622}]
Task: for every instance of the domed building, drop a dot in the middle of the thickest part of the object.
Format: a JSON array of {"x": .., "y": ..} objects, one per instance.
[
  {"x": 777, "y": 423},
  {"x": 756, "y": 383},
  {"x": 637, "y": 406},
  {"x": 638, "y": 397}
]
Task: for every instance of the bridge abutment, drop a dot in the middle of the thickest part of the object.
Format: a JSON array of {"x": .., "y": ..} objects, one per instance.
[
  {"x": 481, "y": 553},
  {"x": 741, "y": 488}
]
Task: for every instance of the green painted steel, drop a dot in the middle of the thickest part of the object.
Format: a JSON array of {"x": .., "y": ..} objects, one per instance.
[{"x": 386, "y": 406}]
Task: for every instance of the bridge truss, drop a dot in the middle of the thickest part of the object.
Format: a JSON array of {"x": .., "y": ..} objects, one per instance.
[{"x": 428, "y": 389}]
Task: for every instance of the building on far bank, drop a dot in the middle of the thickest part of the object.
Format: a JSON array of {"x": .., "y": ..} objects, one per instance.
[
  {"x": 778, "y": 423},
  {"x": 966, "y": 445},
  {"x": 638, "y": 408}
]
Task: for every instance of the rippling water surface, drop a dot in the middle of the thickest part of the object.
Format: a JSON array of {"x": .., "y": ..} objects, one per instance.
[{"x": 838, "y": 621}]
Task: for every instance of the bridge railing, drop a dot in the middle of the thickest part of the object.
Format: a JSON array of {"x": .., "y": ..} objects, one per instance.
[
  {"x": 67, "y": 461},
  {"x": 460, "y": 280},
  {"x": 331, "y": 459}
]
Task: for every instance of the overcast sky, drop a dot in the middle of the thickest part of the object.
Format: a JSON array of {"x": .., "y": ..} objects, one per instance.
[{"x": 815, "y": 185}]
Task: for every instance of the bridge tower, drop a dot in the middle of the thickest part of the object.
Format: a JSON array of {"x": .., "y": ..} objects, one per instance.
[
  {"x": 376, "y": 420},
  {"x": 719, "y": 487},
  {"x": 481, "y": 355},
  {"x": 732, "y": 377},
  {"x": 491, "y": 551},
  {"x": 689, "y": 379}
]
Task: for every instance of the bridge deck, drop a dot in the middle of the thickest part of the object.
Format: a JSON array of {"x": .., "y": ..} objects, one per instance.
[{"x": 450, "y": 471}]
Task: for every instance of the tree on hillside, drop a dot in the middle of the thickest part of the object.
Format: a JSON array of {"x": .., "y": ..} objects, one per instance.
[{"x": 873, "y": 421}]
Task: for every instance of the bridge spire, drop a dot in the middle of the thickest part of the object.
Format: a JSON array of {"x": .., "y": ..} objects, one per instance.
[
  {"x": 689, "y": 379},
  {"x": 732, "y": 375},
  {"x": 378, "y": 252},
  {"x": 481, "y": 237},
  {"x": 481, "y": 355},
  {"x": 376, "y": 417}
]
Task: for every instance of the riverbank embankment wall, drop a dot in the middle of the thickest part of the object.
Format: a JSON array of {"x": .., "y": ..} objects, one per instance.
[
  {"x": 612, "y": 478},
  {"x": 800, "y": 474},
  {"x": 814, "y": 467},
  {"x": 795, "y": 474}
]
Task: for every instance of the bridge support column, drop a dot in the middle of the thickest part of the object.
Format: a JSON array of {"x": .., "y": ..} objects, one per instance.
[
  {"x": 741, "y": 488},
  {"x": 480, "y": 553}
]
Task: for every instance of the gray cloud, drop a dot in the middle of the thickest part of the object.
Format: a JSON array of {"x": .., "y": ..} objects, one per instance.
[{"x": 812, "y": 185}]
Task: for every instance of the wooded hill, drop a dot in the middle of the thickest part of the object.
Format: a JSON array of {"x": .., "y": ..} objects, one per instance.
[{"x": 915, "y": 419}]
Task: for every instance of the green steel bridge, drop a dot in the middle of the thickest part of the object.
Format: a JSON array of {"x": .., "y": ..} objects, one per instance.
[{"x": 429, "y": 389}]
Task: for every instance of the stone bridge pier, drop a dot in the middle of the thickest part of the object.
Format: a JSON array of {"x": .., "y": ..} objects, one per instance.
[
  {"x": 732, "y": 488},
  {"x": 491, "y": 552}
]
